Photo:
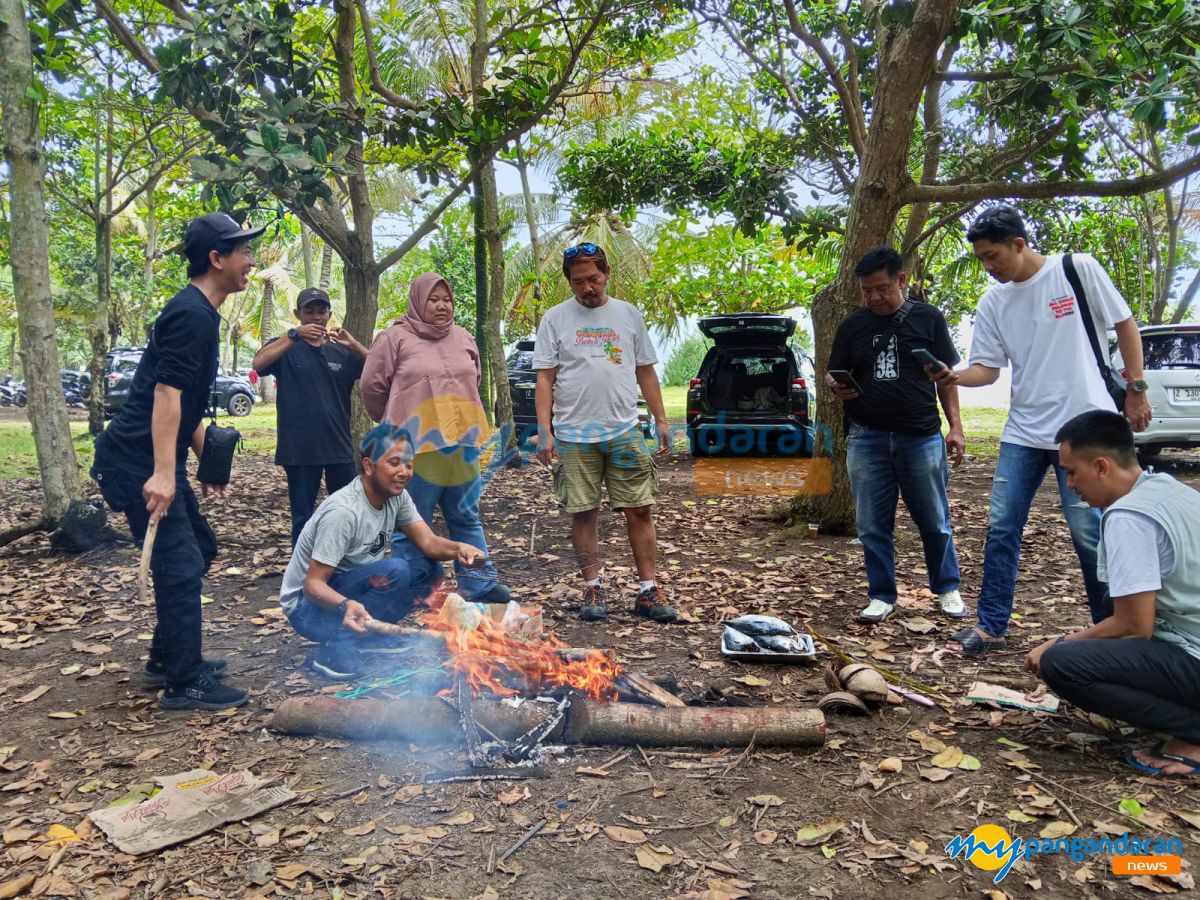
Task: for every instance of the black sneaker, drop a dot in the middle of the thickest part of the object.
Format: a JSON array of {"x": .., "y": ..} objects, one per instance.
[
  {"x": 498, "y": 593},
  {"x": 206, "y": 692},
  {"x": 652, "y": 604},
  {"x": 337, "y": 661},
  {"x": 155, "y": 673},
  {"x": 595, "y": 604}
]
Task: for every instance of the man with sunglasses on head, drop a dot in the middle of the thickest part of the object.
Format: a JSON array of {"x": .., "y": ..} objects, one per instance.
[
  {"x": 1034, "y": 321},
  {"x": 592, "y": 355}
]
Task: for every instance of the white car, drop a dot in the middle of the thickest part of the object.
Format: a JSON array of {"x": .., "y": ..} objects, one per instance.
[{"x": 1172, "y": 354}]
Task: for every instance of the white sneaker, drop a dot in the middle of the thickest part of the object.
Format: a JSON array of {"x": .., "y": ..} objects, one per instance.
[
  {"x": 952, "y": 605},
  {"x": 875, "y": 612}
]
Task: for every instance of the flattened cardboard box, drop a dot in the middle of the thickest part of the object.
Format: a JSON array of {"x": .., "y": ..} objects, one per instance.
[{"x": 189, "y": 804}]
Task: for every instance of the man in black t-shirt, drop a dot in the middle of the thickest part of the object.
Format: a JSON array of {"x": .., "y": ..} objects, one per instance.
[
  {"x": 315, "y": 370},
  {"x": 895, "y": 445},
  {"x": 141, "y": 459}
]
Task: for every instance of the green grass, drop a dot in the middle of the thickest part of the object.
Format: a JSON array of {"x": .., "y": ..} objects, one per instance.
[{"x": 983, "y": 426}]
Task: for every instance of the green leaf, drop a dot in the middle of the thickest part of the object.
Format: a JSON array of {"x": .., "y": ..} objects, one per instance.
[
  {"x": 270, "y": 138},
  {"x": 1131, "y": 808}
]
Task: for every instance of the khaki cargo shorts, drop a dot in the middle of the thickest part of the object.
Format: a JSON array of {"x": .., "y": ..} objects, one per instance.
[{"x": 624, "y": 464}]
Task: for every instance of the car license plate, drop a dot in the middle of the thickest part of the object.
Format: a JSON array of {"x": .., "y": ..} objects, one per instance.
[{"x": 1187, "y": 394}]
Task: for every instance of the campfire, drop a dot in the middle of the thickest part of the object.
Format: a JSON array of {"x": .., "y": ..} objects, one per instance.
[{"x": 490, "y": 658}]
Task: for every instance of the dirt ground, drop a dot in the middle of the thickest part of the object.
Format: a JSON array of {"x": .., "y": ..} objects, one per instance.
[{"x": 78, "y": 729}]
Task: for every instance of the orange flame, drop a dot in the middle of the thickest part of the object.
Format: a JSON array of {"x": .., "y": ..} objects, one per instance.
[{"x": 493, "y": 659}]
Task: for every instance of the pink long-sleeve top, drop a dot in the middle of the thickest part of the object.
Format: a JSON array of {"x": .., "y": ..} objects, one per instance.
[{"x": 429, "y": 386}]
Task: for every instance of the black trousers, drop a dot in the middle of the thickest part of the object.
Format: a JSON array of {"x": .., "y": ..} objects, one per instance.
[
  {"x": 304, "y": 482},
  {"x": 184, "y": 548},
  {"x": 1146, "y": 682}
]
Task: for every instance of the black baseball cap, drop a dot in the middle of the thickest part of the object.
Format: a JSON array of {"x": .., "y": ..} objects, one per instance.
[
  {"x": 204, "y": 233},
  {"x": 312, "y": 295}
]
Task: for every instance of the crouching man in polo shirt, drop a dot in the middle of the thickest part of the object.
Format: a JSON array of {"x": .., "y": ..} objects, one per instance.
[{"x": 339, "y": 578}]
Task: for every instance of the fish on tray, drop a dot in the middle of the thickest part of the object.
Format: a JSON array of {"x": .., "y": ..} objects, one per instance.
[
  {"x": 757, "y": 625},
  {"x": 736, "y": 642},
  {"x": 777, "y": 643}
]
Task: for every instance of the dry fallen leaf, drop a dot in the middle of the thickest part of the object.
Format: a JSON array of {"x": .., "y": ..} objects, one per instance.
[
  {"x": 463, "y": 818},
  {"x": 34, "y": 694},
  {"x": 655, "y": 858},
  {"x": 928, "y": 743},
  {"x": 891, "y": 764},
  {"x": 818, "y": 832},
  {"x": 948, "y": 758},
  {"x": 936, "y": 774},
  {"x": 291, "y": 871},
  {"x": 753, "y": 680},
  {"x": 623, "y": 835},
  {"x": 765, "y": 800},
  {"x": 766, "y": 837},
  {"x": 360, "y": 830},
  {"x": 516, "y": 795},
  {"x": 1057, "y": 830}
]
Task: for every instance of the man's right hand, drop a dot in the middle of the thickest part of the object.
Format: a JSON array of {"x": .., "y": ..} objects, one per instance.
[
  {"x": 840, "y": 390},
  {"x": 356, "y": 617},
  {"x": 159, "y": 492},
  {"x": 545, "y": 450},
  {"x": 943, "y": 377},
  {"x": 311, "y": 332}
]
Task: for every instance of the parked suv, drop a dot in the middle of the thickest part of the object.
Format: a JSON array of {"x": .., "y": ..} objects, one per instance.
[
  {"x": 1172, "y": 366},
  {"x": 750, "y": 397},
  {"x": 232, "y": 394},
  {"x": 522, "y": 385}
]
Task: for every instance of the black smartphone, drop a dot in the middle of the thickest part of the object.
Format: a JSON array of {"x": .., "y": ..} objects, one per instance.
[
  {"x": 844, "y": 378},
  {"x": 925, "y": 358}
]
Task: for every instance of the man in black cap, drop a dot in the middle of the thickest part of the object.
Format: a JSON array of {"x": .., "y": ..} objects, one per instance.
[
  {"x": 315, "y": 370},
  {"x": 141, "y": 459}
]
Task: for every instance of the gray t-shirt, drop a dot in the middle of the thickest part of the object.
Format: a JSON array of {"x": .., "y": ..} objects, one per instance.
[
  {"x": 345, "y": 532},
  {"x": 597, "y": 352}
]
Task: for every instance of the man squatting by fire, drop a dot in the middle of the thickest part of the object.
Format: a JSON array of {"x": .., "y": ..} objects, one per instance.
[{"x": 339, "y": 578}]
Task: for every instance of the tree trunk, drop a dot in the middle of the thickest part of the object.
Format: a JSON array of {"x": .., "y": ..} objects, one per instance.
[
  {"x": 326, "y": 267},
  {"x": 361, "y": 284},
  {"x": 98, "y": 336},
  {"x": 30, "y": 262},
  {"x": 534, "y": 239},
  {"x": 481, "y": 293},
  {"x": 1185, "y": 301},
  {"x": 495, "y": 311},
  {"x": 306, "y": 251},
  {"x": 906, "y": 62},
  {"x": 266, "y": 331},
  {"x": 151, "y": 236}
]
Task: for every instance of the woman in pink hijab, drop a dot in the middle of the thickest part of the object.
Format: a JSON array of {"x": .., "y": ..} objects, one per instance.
[{"x": 422, "y": 375}]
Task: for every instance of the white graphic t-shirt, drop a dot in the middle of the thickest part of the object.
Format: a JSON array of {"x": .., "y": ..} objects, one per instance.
[
  {"x": 1036, "y": 326},
  {"x": 597, "y": 352}
]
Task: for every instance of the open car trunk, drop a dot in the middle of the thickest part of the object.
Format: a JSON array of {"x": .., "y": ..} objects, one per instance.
[{"x": 750, "y": 380}]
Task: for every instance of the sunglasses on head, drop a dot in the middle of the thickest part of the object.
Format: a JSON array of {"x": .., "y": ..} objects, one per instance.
[{"x": 581, "y": 250}]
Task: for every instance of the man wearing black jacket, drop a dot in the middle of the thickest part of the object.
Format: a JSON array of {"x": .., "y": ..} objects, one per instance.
[{"x": 141, "y": 459}]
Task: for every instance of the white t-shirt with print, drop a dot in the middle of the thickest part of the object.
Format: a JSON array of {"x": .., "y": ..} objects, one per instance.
[
  {"x": 1035, "y": 326},
  {"x": 597, "y": 352}
]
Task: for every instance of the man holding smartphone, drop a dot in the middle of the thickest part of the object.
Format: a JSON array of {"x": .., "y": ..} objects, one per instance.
[
  {"x": 1033, "y": 320},
  {"x": 315, "y": 370},
  {"x": 895, "y": 446}
]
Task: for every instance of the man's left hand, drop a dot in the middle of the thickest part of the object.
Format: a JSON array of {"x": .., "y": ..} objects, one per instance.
[
  {"x": 1137, "y": 410},
  {"x": 956, "y": 443},
  {"x": 664, "y": 436},
  {"x": 1033, "y": 659},
  {"x": 212, "y": 490},
  {"x": 469, "y": 556}
]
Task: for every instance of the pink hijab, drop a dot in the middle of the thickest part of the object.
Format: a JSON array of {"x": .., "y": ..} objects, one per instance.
[{"x": 418, "y": 296}]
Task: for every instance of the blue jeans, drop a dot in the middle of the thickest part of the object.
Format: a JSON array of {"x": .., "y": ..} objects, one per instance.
[
  {"x": 386, "y": 587},
  {"x": 450, "y": 480},
  {"x": 884, "y": 465},
  {"x": 1019, "y": 474}
]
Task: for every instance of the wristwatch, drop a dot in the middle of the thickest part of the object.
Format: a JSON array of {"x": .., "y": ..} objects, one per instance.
[
  {"x": 342, "y": 607},
  {"x": 293, "y": 333},
  {"x": 1138, "y": 385}
]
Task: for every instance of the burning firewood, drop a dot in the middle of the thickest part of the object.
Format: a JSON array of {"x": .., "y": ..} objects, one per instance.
[{"x": 429, "y": 722}]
